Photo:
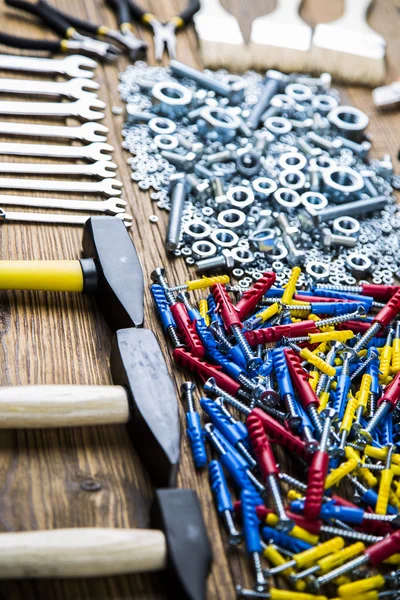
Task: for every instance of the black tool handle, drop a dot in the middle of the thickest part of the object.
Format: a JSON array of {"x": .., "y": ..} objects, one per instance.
[
  {"x": 79, "y": 24},
  {"x": 122, "y": 10},
  {"x": 188, "y": 13},
  {"x": 57, "y": 23},
  {"x": 136, "y": 12},
  {"x": 29, "y": 44}
]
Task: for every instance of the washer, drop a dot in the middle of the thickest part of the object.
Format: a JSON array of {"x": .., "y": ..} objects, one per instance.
[
  {"x": 204, "y": 249},
  {"x": 264, "y": 186},
  {"x": 314, "y": 200},
  {"x": 287, "y": 198},
  {"x": 343, "y": 180},
  {"x": 292, "y": 161},
  {"x": 171, "y": 97},
  {"x": 225, "y": 238},
  {"x": 232, "y": 218},
  {"x": 240, "y": 196},
  {"x": 294, "y": 180},
  {"x": 197, "y": 229},
  {"x": 350, "y": 121},
  {"x": 346, "y": 226}
]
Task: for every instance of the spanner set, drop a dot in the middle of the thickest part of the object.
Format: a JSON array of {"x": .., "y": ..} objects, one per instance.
[{"x": 92, "y": 170}]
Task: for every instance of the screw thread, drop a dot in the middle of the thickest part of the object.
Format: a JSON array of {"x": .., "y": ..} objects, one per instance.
[
  {"x": 174, "y": 336},
  {"x": 243, "y": 343},
  {"x": 367, "y": 337},
  {"x": 378, "y": 417}
]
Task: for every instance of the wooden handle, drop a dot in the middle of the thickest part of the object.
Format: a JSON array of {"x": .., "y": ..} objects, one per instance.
[
  {"x": 42, "y": 406},
  {"x": 354, "y": 18},
  {"x": 83, "y": 552}
]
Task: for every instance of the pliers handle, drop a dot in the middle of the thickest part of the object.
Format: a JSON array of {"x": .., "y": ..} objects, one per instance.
[
  {"x": 61, "y": 23},
  {"x": 164, "y": 33}
]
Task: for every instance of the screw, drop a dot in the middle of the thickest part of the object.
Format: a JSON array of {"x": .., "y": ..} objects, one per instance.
[
  {"x": 159, "y": 276},
  {"x": 323, "y": 143},
  {"x": 211, "y": 387},
  {"x": 187, "y": 390}
]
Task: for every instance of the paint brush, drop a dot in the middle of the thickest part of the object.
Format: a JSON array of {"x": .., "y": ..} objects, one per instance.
[
  {"x": 281, "y": 40},
  {"x": 220, "y": 38},
  {"x": 349, "y": 48}
]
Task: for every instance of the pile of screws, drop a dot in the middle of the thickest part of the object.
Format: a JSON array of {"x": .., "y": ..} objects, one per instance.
[
  {"x": 317, "y": 372},
  {"x": 261, "y": 173}
]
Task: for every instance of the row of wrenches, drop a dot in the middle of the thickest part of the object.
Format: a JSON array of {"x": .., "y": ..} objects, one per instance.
[{"x": 77, "y": 98}]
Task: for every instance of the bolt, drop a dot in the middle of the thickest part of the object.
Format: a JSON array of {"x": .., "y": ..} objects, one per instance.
[
  {"x": 221, "y": 261},
  {"x": 178, "y": 192},
  {"x": 295, "y": 256},
  {"x": 360, "y": 149},
  {"x": 323, "y": 81},
  {"x": 357, "y": 207},
  {"x": 207, "y": 81},
  {"x": 306, "y": 148},
  {"x": 136, "y": 115},
  {"x": 183, "y": 161},
  {"x": 323, "y": 143},
  {"x": 273, "y": 82},
  {"x": 332, "y": 239}
]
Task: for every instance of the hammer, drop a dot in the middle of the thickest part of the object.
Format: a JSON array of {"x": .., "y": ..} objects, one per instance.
[
  {"x": 143, "y": 397},
  {"x": 179, "y": 545},
  {"x": 110, "y": 269}
]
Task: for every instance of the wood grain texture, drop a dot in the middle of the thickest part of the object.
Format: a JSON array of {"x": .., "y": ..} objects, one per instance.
[{"x": 92, "y": 477}]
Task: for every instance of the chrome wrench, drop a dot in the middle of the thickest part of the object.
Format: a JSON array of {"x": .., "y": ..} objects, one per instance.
[
  {"x": 111, "y": 205},
  {"x": 55, "y": 218},
  {"x": 101, "y": 169},
  {"x": 70, "y": 66},
  {"x": 93, "y": 152},
  {"x": 108, "y": 187},
  {"x": 87, "y": 132},
  {"x": 82, "y": 108},
  {"x": 75, "y": 89}
]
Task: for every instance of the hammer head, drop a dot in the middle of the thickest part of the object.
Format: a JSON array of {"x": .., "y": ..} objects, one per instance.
[
  {"x": 120, "y": 286},
  {"x": 138, "y": 364},
  {"x": 178, "y": 514}
]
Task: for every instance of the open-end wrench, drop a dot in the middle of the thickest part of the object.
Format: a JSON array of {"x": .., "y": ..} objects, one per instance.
[
  {"x": 75, "y": 89},
  {"x": 87, "y": 132},
  {"x": 108, "y": 187},
  {"x": 101, "y": 169},
  {"x": 71, "y": 66},
  {"x": 111, "y": 206},
  {"x": 82, "y": 108},
  {"x": 94, "y": 152},
  {"x": 55, "y": 218}
]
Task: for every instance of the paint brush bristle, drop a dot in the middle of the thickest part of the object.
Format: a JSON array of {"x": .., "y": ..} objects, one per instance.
[
  {"x": 349, "y": 48},
  {"x": 220, "y": 38}
]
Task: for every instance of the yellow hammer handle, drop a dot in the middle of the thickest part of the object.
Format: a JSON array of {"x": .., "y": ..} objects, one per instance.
[{"x": 47, "y": 275}]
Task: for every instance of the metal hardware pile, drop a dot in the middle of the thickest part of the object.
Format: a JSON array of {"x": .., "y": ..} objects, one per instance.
[
  {"x": 90, "y": 169},
  {"x": 316, "y": 372},
  {"x": 261, "y": 173}
]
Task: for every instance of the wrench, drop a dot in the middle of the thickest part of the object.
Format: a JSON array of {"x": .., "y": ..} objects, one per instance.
[
  {"x": 82, "y": 108},
  {"x": 111, "y": 205},
  {"x": 70, "y": 66},
  {"x": 95, "y": 151},
  {"x": 74, "y": 89},
  {"x": 87, "y": 132},
  {"x": 108, "y": 187},
  {"x": 56, "y": 218},
  {"x": 101, "y": 169}
]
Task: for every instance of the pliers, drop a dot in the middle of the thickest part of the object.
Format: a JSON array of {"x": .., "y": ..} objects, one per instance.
[
  {"x": 125, "y": 35},
  {"x": 62, "y": 24},
  {"x": 164, "y": 33}
]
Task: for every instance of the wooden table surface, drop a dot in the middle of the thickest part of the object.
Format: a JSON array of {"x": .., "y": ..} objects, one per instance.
[{"x": 46, "y": 477}]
